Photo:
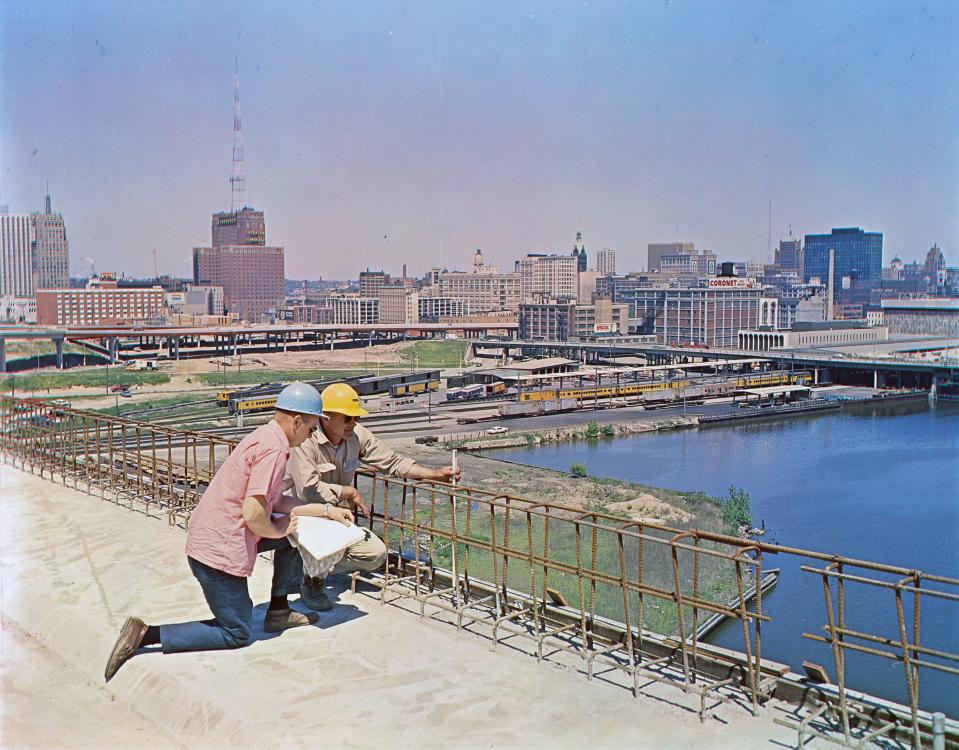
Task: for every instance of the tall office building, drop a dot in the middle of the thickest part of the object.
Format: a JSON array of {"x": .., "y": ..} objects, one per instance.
[
  {"x": 243, "y": 227},
  {"x": 548, "y": 276},
  {"x": 252, "y": 277},
  {"x": 606, "y": 262},
  {"x": 789, "y": 255},
  {"x": 656, "y": 251},
  {"x": 17, "y": 255},
  {"x": 579, "y": 252},
  {"x": 857, "y": 259}
]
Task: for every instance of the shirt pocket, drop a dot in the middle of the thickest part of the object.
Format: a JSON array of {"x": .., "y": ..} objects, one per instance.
[{"x": 351, "y": 465}]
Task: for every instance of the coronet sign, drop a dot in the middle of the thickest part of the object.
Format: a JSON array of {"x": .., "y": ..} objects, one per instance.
[{"x": 731, "y": 282}]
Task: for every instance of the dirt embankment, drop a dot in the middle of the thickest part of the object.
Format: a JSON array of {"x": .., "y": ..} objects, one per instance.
[
  {"x": 567, "y": 433},
  {"x": 628, "y": 500}
]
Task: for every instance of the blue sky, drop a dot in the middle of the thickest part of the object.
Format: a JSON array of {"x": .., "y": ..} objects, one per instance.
[{"x": 378, "y": 133}]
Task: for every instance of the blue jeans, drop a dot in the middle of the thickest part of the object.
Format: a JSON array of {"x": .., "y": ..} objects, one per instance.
[{"x": 229, "y": 600}]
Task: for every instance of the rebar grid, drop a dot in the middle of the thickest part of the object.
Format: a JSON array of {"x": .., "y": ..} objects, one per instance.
[
  {"x": 624, "y": 595},
  {"x": 150, "y": 467}
]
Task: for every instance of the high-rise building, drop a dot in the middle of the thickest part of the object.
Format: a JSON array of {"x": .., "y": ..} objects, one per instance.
[
  {"x": 243, "y": 227},
  {"x": 52, "y": 249},
  {"x": 17, "y": 256},
  {"x": 857, "y": 261},
  {"x": 252, "y": 277},
  {"x": 789, "y": 255},
  {"x": 371, "y": 281},
  {"x": 606, "y": 262},
  {"x": 935, "y": 267},
  {"x": 398, "y": 304},
  {"x": 548, "y": 276},
  {"x": 710, "y": 315},
  {"x": 579, "y": 252},
  {"x": 656, "y": 251}
]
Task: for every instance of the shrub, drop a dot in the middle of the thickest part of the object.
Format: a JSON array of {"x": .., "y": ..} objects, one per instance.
[
  {"x": 592, "y": 430},
  {"x": 735, "y": 509},
  {"x": 608, "y": 431},
  {"x": 578, "y": 471}
]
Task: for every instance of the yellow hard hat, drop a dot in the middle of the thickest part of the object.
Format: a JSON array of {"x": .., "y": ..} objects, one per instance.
[{"x": 342, "y": 399}]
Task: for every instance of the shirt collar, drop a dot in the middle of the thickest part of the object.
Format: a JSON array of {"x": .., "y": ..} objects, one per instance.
[{"x": 278, "y": 431}]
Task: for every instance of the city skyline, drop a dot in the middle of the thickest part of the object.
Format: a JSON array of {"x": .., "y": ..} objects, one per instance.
[{"x": 381, "y": 135}]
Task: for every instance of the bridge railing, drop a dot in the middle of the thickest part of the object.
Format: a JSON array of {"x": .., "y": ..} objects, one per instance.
[{"x": 633, "y": 598}]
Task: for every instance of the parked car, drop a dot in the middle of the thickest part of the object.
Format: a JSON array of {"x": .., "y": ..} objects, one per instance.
[
  {"x": 119, "y": 388},
  {"x": 497, "y": 430},
  {"x": 426, "y": 439}
]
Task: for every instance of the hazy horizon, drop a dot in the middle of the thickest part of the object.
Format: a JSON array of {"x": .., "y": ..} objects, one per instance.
[{"x": 378, "y": 134}]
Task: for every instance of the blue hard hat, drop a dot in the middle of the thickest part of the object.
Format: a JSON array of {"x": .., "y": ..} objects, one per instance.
[{"x": 301, "y": 398}]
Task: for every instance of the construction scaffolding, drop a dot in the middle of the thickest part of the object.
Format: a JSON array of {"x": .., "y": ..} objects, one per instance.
[{"x": 615, "y": 596}]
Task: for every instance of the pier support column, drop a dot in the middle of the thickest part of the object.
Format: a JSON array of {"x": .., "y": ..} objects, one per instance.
[
  {"x": 113, "y": 345},
  {"x": 233, "y": 343},
  {"x": 59, "y": 345},
  {"x": 3, "y": 354},
  {"x": 175, "y": 346}
]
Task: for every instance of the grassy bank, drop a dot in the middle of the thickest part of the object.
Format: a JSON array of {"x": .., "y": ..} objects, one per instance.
[
  {"x": 253, "y": 376},
  {"x": 435, "y": 353},
  {"x": 102, "y": 377},
  {"x": 626, "y": 501}
]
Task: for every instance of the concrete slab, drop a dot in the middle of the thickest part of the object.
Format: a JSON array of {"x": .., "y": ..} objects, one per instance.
[{"x": 73, "y": 566}]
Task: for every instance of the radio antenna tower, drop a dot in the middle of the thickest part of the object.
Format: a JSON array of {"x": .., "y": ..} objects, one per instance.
[{"x": 238, "y": 176}]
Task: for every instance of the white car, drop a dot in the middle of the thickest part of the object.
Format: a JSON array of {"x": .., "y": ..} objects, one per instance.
[{"x": 497, "y": 430}]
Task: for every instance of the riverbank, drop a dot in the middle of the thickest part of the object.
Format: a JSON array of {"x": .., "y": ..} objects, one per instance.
[
  {"x": 838, "y": 398},
  {"x": 870, "y": 482}
]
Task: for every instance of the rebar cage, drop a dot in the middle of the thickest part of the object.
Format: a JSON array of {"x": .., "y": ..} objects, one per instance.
[{"x": 632, "y": 597}]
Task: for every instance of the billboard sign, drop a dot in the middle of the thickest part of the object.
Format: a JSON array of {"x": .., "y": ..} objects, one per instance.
[{"x": 732, "y": 282}]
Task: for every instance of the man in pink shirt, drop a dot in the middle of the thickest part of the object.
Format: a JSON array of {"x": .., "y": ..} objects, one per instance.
[{"x": 232, "y": 523}]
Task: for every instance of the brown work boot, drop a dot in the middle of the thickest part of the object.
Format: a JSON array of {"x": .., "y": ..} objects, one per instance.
[
  {"x": 131, "y": 636},
  {"x": 281, "y": 619}
]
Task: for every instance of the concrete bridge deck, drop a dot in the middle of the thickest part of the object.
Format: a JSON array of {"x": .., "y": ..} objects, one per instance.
[{"x": 367, "y": 675}]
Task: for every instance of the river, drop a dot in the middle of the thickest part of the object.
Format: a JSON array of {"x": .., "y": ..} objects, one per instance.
[{"x": 874, "y": 483}]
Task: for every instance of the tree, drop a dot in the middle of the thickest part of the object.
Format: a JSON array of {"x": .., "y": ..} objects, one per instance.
[{"x": 578, "y": 471}]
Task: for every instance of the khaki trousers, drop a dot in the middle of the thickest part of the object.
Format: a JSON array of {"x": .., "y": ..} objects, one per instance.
[{"x": 370, "y": 554}]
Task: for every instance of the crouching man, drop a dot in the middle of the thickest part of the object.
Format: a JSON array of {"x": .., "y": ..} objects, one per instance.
[
  {"x": 231, "y": 524},
  {"x": 321, "y": 470}
]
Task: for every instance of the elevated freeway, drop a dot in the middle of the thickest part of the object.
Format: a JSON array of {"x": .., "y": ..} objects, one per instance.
[
  {"x": 827, "y": 365},
  {"x": 202, "y": 341}
]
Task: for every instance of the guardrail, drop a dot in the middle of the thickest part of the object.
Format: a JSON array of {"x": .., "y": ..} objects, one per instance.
[{"x": 621, "y": 596}]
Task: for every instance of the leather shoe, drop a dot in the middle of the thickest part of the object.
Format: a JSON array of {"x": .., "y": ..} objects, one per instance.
[
  {"x": 131, "y": 636},
  {"x": 281, "y": 619},
  {"x": 312, "y": 596}
]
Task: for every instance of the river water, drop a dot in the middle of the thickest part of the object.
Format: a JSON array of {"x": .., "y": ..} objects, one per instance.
[{"x": 873, "y": 483}]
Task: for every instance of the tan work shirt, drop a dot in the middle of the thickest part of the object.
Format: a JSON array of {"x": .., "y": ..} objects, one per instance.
[{"x": 318, "y": 470}]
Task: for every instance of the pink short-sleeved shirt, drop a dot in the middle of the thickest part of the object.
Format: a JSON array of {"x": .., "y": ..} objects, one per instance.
[{"x": 217, "y": 535}]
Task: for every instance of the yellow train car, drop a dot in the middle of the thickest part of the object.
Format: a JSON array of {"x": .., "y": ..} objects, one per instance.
[
  {"x": 252, "y": 405},
  {"x": 604, "y": 391}
]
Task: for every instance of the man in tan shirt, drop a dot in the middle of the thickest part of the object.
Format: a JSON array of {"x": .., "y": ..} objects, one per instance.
[{"x": 321, "y": 470}]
